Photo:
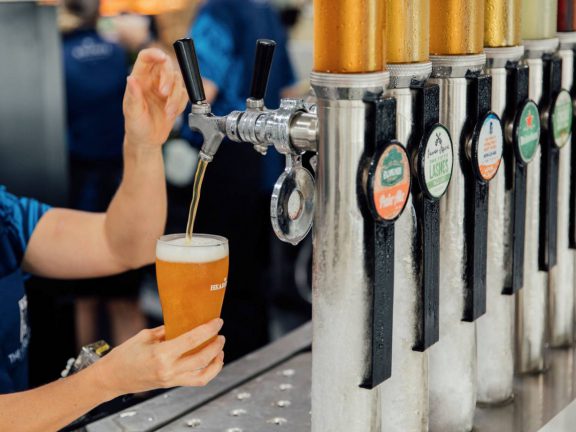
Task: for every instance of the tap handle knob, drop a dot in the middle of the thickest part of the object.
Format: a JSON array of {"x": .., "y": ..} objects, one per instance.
[
  {"x": 188, "y": 61},
  {"x": 264, "y": 54}
]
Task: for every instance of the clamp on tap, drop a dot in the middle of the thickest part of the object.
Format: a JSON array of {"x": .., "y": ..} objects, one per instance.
[{"x": 291, "y": 129}]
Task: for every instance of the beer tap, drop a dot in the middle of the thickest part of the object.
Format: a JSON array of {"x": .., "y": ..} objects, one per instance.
[
  {"x": 404, "y": 397},
  {"x": 201, "y": 118},
  {"x": 507, "y": 199},
  {"x": 291, "y": 129},
  {"x": 458, "y": 60},
  {"x": 539, "y": 21},
  {"x": 561, "y": 293}
]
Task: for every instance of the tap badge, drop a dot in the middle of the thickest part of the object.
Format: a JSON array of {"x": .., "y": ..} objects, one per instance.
[
  {"x": 436, "y": 162},
  {"x": 390, "y": 182},
  {"x": 487, "y": 147},
  {"x": 562, "y": 114},
  {"x": 527, "y": 132}
]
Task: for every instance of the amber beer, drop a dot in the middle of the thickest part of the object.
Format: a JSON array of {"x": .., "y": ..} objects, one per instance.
[{"x": 192, "y": 278}]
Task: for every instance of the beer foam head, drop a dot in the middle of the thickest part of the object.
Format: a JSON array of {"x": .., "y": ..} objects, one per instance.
[{"x": 201, "y": 249}]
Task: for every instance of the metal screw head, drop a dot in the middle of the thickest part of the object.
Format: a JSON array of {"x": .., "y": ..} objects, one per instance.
[
  {"x": 193, "y": 423},
  {"x": 238, "y": 412},
  {"x": 278, "y": 421},
  {"x": 243, "y": 396}
]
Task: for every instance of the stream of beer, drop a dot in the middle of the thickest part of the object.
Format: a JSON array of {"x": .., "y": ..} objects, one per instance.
[{"x": 198, "y": 179}]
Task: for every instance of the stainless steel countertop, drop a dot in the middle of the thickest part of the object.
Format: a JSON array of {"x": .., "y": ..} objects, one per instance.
[{"x": 270, "y": 389}]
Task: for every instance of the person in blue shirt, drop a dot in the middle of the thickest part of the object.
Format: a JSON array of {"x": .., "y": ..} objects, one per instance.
[
  {"x": 60, "y": 243},
  {"x": 236, "y": 190},
  {"x": 95, "y": 72}
]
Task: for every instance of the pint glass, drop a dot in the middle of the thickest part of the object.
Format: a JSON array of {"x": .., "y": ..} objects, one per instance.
[{"x": 192, "y": 278}]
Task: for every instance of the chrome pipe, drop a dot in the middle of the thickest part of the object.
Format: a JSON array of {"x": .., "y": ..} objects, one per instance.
[
  {"x": 532, "y": 299},
  {"x": 561, "y": 291},
  {"x": 495, "y": 330},
  {"x": 452, "y": 361},
  {"x": 341, "y": 294},
  {"x": 404, "y": 396}
]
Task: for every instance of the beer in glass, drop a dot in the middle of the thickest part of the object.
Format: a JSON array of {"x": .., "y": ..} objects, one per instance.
[{"x": 192, "y": 278}]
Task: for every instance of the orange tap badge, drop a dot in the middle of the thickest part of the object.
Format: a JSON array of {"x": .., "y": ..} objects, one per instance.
[{"x": 389, "y": 183}]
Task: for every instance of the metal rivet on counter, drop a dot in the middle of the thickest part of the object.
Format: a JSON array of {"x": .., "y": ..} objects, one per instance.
[
  {"x": 278, "y": 421},
  {"x": 238, "y": 412},
  {"x": 192, "y": 423}
]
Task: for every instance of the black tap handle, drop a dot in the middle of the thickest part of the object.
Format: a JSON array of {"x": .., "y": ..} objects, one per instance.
[
  {"x": 188, "y": 62},
  {"x": 264, "y": 54}
]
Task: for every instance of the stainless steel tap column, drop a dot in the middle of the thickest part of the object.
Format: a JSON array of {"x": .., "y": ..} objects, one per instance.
[
  {"x": 561, "y": 290},
  {"x": 539, "y": 34},
  {"x": 456, "y": 49},
  {"x": 404, "y": 397},
  {"x": 348, "y": 66},
  {"x": 495, "y": 330}
]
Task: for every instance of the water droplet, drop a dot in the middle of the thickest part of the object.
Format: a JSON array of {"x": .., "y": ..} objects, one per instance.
[
  {"x": 283, "y": 403},
  {"x": 278, "y": 421},
  {"x": 150, "y": 419},
  {"x": 238, "y": 412},
  {"x": 288, "y": 372},
  {"x": 285, "y": 387},
  {"x": 234, "y": 429},
  {"x": 243, "y": 396},
  {"x": 128, "y": 414},
  {"x": 192, "y": 423}
]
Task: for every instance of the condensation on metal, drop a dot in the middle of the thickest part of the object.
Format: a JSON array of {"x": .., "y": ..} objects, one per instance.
[
  {"x": 539, "y": 19},
  {"x": 531, "y": 300},
  {"x": 502, "y": 23},
  {"x": 404, "y": 396},
  {"x": 349, "y": 36},
  {"x": 452, "y": 365},
  {"x": 495, "y": 330},
  {"x": 561, "y": 291},
  {"x": 340, "y": 315},
  {"x": 456, "y": 27},
  {"x": 407, "y": 31}
]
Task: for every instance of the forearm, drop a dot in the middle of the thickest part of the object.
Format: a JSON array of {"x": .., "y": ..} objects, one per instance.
[
  {"x": 136, "y": 217},
  {"x": 53, "y": 406}
]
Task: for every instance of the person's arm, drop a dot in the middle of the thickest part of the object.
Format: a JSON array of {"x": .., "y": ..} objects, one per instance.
[
  {"x": 74, "y": 244},
  {"x": 143, "y": 363}
]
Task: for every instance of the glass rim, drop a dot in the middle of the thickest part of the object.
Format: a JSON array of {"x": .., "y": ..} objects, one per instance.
[{"x": 167, "y": 238}]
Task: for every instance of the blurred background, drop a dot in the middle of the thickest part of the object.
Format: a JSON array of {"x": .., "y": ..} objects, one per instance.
[{"x": 63, "y": 69}]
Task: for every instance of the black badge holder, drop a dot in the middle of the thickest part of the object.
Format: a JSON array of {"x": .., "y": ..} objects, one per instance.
[
  {"x": 548, "y": 229},
  {"x": 517, "y": 160},
  {"x": 481, "y": 123},
  {"x": 431, "y": 152},
  {"x": 380, "y": 130}
]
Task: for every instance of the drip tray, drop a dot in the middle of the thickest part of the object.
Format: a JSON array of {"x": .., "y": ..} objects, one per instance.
[{"x": 270, "y": 390}]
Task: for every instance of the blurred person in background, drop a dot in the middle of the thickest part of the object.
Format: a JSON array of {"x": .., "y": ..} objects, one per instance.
[
  {"x": 95, "y": 77},
  {"x": 236, "y": 192},
  {"x": 70, "y": 244}
]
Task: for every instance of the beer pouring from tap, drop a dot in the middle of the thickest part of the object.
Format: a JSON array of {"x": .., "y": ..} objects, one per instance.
[{"x": 291, "y": 129}]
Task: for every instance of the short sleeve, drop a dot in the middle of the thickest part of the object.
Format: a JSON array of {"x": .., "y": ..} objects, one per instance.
[{"x": 18, "y": 218}]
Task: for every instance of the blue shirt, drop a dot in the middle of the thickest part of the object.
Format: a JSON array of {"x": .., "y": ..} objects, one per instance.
[
  {"x": 225, "y": 34},
  {"x": 18, "y": 218},
  {"x": 95, "y": 72}
]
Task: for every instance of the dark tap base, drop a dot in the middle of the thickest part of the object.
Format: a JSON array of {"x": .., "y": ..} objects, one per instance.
[
  {"x": 476, "y": 214},
  {"x": 547, "y": 251},
  {"x": 426, "y": 112},
  {"x": 517, "y": 95},
  {"x": 379, "y": 247}
]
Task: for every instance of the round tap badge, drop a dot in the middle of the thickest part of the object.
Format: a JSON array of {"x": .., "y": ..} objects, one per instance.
[
  {"x": 488, "y": 147},
  {"x": 562, "y": 113},
  {"x": 527, "y": 132},
  {"x": 436, "y": 162},
  {"x": 389, "y": 182}
]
